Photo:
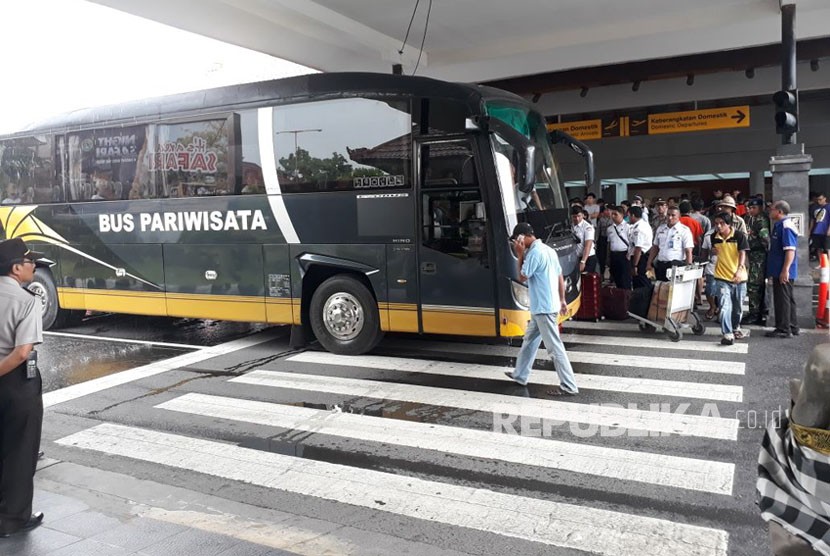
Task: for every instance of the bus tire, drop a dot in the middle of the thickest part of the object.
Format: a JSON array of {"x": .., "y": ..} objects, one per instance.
[
  {"x": 53, "y": 316},
  {"x": 344, "y": 316}
]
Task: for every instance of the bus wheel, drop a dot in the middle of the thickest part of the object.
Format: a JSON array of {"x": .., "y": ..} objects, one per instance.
[
  {"x": 53, "y": 316},
  {"x": 344, "y": 316}
]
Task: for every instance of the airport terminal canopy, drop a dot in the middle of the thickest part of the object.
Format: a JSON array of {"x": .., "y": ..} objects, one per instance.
[{"x": 482, "y": 40}]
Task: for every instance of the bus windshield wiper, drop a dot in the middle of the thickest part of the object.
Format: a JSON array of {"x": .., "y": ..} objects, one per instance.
[{"x": 557, "y": 228}]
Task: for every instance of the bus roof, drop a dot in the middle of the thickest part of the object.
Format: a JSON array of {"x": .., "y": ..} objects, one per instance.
[{"x": 260, "y": 93}]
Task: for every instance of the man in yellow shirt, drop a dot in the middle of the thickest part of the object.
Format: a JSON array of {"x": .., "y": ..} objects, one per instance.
[{"x": 731, "y": 246}]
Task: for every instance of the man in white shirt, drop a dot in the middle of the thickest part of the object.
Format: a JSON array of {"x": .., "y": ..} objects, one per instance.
[
  {"x": 640, "y": 238},
  {"x": 592, "y": 208},
  {"x": 584, "y": 233},
  {"x": 673, "y": 245},
  {"x": 638, "y": 202},
  {"x": 618, "y": 244}
]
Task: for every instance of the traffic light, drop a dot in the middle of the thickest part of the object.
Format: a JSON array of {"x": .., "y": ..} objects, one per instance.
[{"x": 786, "y": 112}]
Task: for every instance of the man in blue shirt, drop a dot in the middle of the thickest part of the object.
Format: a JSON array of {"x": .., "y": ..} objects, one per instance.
[
  {"x": 539, "y": 268},
  {"x": 820, "y": 215},
  {"x": 782, "y": 268}
]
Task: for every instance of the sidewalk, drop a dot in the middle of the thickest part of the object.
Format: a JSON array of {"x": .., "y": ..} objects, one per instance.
[{"x": 90, "y": 512}]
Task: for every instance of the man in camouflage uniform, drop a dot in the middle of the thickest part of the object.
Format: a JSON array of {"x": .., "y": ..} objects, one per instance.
[{"x": 757, "y": 224}]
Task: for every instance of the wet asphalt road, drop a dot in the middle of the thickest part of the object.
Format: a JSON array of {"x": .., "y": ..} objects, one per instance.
[
  {"x": 768, "y": 366},
  {"x": 101, "y": 345}
]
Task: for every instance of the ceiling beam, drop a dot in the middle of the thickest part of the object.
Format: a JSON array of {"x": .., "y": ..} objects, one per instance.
[{"x": 665, "y": 68}]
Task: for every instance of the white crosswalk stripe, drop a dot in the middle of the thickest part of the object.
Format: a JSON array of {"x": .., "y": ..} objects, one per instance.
[
  {"x": 574, "y": 449},
  {"x": 653, "y": 344},
  {"x": 576, "y": 527},
  {"x": 616, "y": 360},
  {"x": 721, "y": 392},
  {"x": 593, "y": 415},
  {"x": 673, "y": 471}
]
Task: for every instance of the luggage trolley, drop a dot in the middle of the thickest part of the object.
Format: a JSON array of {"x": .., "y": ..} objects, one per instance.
[{"x": 681, "y": 297}]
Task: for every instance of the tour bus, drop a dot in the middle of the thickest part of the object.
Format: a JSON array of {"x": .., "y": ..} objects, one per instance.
[{"x": 345, "y": 204}]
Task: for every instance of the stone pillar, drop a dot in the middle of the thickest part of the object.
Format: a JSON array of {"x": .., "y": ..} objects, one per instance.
[
  {"x": 791, "y": 183},
  {"x": 756, "y": 183}
]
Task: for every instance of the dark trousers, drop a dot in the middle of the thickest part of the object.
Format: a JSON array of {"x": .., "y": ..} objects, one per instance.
[
  {"x": 620, "y": 269},
  {"x": 661, "y": 268},
  {"x": 641, "y": 280},
  {"x": 591, "y": 265},
  {"x": 602, "y": 254},
  {"x": 21, "y": 419},
  {"x": 786, "y": 319}
]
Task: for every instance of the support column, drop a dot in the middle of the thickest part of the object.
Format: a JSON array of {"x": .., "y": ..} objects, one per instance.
[
  {"x": 756, "y": 183},
  {"x": 791, "y": 183}
]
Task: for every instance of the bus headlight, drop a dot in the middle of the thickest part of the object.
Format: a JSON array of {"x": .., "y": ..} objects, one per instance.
[{"x": 520, "y": 294}]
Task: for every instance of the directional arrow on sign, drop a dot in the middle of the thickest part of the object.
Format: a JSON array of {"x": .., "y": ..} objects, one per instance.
[{"x": 739, "y": 117}]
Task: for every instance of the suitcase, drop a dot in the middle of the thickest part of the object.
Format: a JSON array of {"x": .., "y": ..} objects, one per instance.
[
  {"x": 641, "y": 300},
  {"x": 615, "y": 302},
  {"x": 590, "y": 306}
]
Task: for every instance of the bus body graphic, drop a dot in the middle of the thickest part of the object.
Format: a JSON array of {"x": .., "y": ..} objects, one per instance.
[{"x": 348, "y": 204}]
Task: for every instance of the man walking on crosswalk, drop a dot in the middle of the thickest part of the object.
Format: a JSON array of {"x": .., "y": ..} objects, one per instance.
[{"x": 539, "y": 268}]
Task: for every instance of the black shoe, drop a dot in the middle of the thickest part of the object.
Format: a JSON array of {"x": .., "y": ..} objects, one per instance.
[
  {"x": 34, "y": 521},
  {"x": 760, "y": 322},
  {"x": 40, "y": 454},
  {"x": 727, "y": 341},
  {"x": 795, "y": 331},
  {"x": 778, "y": 334}
]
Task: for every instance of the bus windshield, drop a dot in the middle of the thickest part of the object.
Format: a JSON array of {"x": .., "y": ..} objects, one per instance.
[{"x": 547, "y": 193}]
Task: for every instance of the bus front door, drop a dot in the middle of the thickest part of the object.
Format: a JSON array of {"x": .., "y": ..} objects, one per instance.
[{"x": 457, "y": 294}]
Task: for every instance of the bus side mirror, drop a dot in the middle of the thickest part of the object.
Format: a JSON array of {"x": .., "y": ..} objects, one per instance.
[
  {"x": 527, "y": 173},
  {"x": 526, "y": 152},
  {"x": 580, "y": 148}
]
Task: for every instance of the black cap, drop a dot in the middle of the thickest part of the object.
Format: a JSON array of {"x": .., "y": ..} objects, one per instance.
[
  {"x": 14, "y": 250},
  {"x": 522, "y": 229},
  {"x": 755, "y": 202},
  {"x": 660, "y": 201}
]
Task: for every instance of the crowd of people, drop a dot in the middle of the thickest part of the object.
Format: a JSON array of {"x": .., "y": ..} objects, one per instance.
[{"x": 747, "y": 246}]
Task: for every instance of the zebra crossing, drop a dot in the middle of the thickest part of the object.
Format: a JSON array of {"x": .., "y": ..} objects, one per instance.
[{"x": 447, "y": 440}]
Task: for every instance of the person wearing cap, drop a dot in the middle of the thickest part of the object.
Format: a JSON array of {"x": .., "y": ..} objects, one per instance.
[
  {"x": 660, "y": 211},
  {"x": 757, "y": 224},
  {"x": 727, "y": 204},
  {"x": 673, "y": 245},
  {"x": 584, "y": 232},
  {"x": 539, "y": 268},
  {"x": 21, "y": 405}
]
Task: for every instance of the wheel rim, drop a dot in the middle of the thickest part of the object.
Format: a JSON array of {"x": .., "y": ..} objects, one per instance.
[
  {"x": 38, "y": 289},
  {"x": 343, "y": 316}
]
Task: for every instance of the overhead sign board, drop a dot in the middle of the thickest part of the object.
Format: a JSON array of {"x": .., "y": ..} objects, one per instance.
[
  {"x": 642, "y": 123},
  {"x": 584, "y": 130},
  {"x": 698, "y": 120}
]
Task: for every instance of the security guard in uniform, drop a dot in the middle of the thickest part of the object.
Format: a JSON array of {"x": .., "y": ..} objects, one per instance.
[
  {"x": 21, "y": 404},
  {"x": 757, "y": 224}
]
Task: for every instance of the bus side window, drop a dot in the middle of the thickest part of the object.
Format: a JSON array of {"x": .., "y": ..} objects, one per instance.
[{"x": 26, "y": 172}]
